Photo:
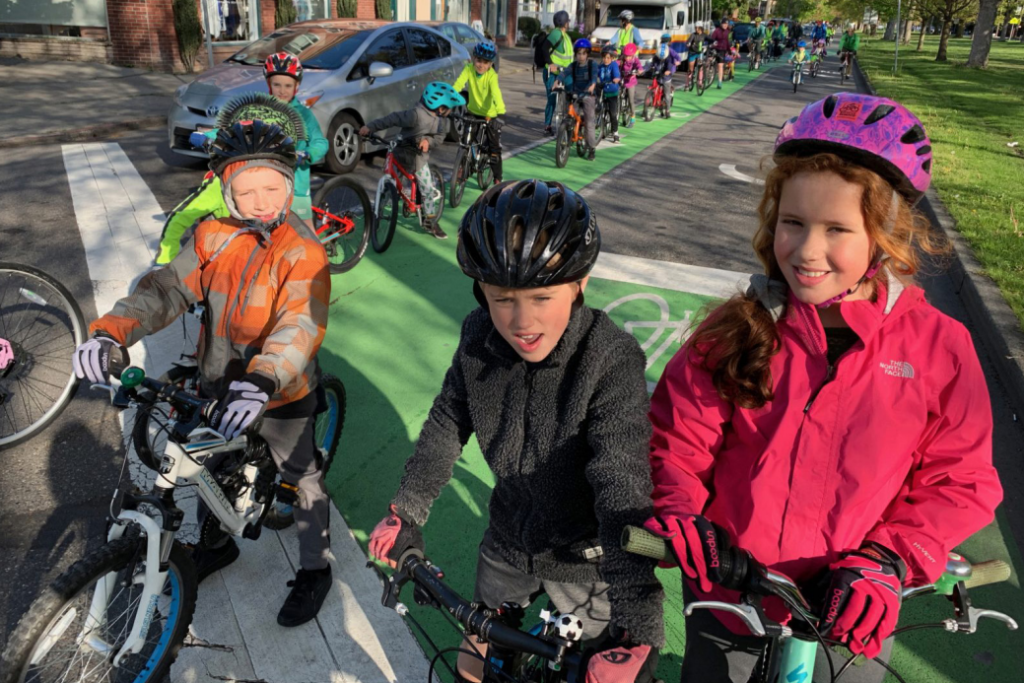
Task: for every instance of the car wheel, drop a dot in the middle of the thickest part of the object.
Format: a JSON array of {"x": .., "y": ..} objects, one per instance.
[{"x": 346, "y": 146}]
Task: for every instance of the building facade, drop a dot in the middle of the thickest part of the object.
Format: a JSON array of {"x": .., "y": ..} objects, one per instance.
[{"x": 141, "y": 32}]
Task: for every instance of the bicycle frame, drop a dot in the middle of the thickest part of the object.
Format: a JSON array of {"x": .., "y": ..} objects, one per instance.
[
  {"x": 658, "y": 89},
  {"x": 394, "y": 169},
  {"x": 185, "y": 452},
  {"x": 326, "y": 219}
]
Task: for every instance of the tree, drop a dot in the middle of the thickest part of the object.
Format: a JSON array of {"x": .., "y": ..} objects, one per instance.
[
  {"x": 589, "y": 16},
  {"x": 984, "y": 27},
  {"x": 347, "y": 8},
  {"x": 284, "y": 13},
  {"x": 947, "y": 12},
  {"x": 188, "y": 30}
]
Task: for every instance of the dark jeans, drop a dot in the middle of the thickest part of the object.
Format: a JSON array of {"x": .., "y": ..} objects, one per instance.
[
  {"x": 549, "y": 108},
  {"x": 612, "y": 109}
]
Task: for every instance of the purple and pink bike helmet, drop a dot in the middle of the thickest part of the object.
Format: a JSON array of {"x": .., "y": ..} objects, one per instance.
[{"x": 870, "y": 131}]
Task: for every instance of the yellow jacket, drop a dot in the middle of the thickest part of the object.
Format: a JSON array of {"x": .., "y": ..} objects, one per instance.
[{"x": 484, "y": 93}]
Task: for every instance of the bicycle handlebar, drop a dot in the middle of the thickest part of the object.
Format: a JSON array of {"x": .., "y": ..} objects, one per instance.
[{"x": 186, "y": 403}]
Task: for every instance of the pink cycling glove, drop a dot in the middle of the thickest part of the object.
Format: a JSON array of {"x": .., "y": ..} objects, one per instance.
[
  {"x": 685, "y": 534},
  {"x": 862, "y": 605},
  {"x": 392, "y": 537}
]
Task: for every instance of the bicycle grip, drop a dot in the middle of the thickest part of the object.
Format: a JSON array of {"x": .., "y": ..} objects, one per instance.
[
  {"x": 640, "y": 541},
  {"x": 984, "y": 573}
]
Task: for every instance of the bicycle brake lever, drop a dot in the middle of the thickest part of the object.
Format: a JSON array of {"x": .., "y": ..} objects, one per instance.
[
  {"x": 975, "y": 615},
  {"x": 750, "y": 615}
]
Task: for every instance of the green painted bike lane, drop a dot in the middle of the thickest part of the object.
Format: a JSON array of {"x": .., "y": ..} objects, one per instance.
[{"x": 394, "y": 325}]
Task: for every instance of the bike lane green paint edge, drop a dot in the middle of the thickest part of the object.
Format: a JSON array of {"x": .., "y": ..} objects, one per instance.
[{"x": 395, "y": 323}]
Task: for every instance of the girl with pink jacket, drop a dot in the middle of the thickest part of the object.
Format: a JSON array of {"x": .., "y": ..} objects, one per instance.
[{"x": 831, "y": 422}]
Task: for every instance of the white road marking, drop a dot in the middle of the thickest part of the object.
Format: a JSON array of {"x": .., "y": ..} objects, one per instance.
[
  {"x": 730, "y": 170},
  {"x": 354, "y": 639},
  {"x": 666, "y": 275}
]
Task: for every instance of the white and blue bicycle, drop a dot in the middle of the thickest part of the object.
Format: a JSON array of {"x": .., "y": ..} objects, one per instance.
[{"x": 122, "y": 613}]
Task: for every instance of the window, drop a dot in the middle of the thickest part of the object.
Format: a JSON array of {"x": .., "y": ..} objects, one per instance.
[
  {"x": 424, "y": 44},
  {"x": 336, "y": 49},
  {"x": 466, "y": 35},
  {"x": 449, "y": 31},
  {"x": 230, "y": 20},
  {"x": 389, "y": 48},
  {"x": 643, "y": 16}
]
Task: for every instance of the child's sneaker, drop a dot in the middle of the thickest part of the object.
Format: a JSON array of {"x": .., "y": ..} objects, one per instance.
[
  {"x": 434, "y": 229},
  {"x": 615, "y": 137},
  {"x": 631, "y": 122},
  {"x": 591, "y": 155},
  {"x": 548, "y": 130}
]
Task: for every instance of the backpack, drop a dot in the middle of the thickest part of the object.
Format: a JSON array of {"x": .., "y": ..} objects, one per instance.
[{"x": 540, "y": 52}]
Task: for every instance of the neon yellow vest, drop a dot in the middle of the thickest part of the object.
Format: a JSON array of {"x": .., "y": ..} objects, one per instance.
[{"x": 562, "y": 57}]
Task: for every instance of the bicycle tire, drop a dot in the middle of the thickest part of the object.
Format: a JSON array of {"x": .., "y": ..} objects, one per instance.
[
  {"x": 750, "y": 63},
  {"x": 460, "y": 173},
  {"x": 439, "y": 188},
  {"x": 27, "y": 370},
  {"x": 484, "y": 174},
  {"x": 796, "y": 81},
  {"x": 52, "y": 609},
  {"x": 649, "y": 107},
  {"x": 814, "y": 70},
  {"x": 700, "y": 80},
  {"x": 558, "y": 115},
  {"x": 625, "y": 108},
  {"x": 329, "y": 424},
  {"x": 562, "y": 146},
  {"x": 666, "y": 103},
  {"x": 385, "y": 215},
  {"x": 345, "y": 251}
]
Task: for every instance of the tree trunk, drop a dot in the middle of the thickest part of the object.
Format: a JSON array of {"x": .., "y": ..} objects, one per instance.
[
  {"x": 589, "y": 10},
  {"x": 890, "y": 30},
  {"x": 943, "y": 40},
  {"x": 924, "y": 28},
  {"x": 981, "y": 43},
  {"x": 908, "y": 30},
  {"x": 958, "y": 29}
]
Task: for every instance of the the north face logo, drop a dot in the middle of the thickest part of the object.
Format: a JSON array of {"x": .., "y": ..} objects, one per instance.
[{"x": 898, "y": 368}]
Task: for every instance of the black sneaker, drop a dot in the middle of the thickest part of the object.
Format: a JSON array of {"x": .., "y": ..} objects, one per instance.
[
  {"x": 210, "y": 560},
  {"x": 279, "y": 517},
  {"x": 435, "y": 230},
  {"x": 591, "y": 155},
  {"x": 548, "y": 130},
  {"x": 309, "y": 590}
]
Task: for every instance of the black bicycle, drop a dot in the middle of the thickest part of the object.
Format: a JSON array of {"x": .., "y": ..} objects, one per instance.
[{"x": 472, "y": 157}]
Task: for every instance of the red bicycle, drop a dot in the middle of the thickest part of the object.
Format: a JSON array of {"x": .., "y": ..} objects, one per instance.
[
  {"x": 657, "y": 99},
  {"x": 341, "y": 209},
  {"x": 394, "y": 184}
]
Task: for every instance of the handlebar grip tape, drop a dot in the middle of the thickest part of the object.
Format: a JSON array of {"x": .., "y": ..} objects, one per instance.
[
  {"x": 984, "y": 573},
  {"x": 642, "y": 542}
]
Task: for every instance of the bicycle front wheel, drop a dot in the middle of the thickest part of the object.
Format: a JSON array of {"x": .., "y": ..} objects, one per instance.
[
  {"x": 329, "y": 423},
  {"x": 385, "y": 215},
  {"x": 40, "y": 327},
  {"x": 649, "y": 107},
  {"x": 435, "y": 175},
  {"x": 60, "y": 639},
  {"x": 562, "y": 146},
  {"x": 344, "y": 200},
  {"x": 460, "y": 173}
]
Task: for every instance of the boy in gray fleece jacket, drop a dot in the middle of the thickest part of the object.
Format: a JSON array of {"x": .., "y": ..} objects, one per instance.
[
  {"x": 556, "y": 396},
  {"x": 421, "y": 128}
]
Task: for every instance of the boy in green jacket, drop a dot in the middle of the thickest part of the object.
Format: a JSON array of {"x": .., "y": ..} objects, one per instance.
[
  {"x": 283, "y": 73},
  {"x": 850, "y": 43},
  {"x": 485, "y": 101}
]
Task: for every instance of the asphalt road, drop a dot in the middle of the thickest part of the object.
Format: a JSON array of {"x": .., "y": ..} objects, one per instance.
[{"x": 670, "y": 202}]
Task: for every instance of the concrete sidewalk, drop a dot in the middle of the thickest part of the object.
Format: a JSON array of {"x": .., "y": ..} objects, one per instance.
[{"x": 68, "y": 101}]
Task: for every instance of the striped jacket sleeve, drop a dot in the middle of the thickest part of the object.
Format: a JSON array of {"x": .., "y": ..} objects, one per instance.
[{"x": 300, "y": 320}]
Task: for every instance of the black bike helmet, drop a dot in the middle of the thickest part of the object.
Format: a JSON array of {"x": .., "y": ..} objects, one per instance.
[
  {"x": 248, "y": 140},
  {"x": 528, "y": 233},
  {"x": 560, "y": 19}
]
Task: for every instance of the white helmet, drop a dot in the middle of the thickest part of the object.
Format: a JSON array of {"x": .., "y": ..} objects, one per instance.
[{"x": 626, "y": 14}]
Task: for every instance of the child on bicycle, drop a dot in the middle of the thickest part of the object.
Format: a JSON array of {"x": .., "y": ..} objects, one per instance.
[
  {"x": 731, "y": 58},
  {"x": 799, "y": 55},
  {"x": 485, "y": 101},
  {"x": 756, "y": 39},
  {"x": 283, "y": 74},
  {"x": 610, "y": 78},
  {"x": 830, "y": 421},
  {"x": 664, "y": 63},
  {"x": 630, "y": 67},
  {"x": 258, "y": 358},
  {"x": 849, "y": 45},
  {"x": 556, "y": 396},
  {"x": 696, "y": 46},
  {"x": 422, "y": 127},
  {"x": 778, "y": 35},
  {"x": 580, "y": 78}
]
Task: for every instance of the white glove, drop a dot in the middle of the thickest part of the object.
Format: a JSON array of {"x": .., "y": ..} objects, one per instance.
[
  {"x": 241, "y": 404},
  {"x": 91, "y": 360}
]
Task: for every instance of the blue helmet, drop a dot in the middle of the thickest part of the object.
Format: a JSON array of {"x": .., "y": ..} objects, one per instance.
[
  {"x": 802, "y": 43},
  {"x": 485, "y": 50},
  {"x": 581, "y": 44},
  {"x": 441, "y": 94},
  {"x": 561, "y": 18},
  {"x": 666, "y": 37}
]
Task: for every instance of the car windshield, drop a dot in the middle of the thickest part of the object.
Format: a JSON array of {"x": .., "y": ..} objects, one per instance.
[
  {"x": 317, "y": 47},
  {"x": 644, "y": 16}
]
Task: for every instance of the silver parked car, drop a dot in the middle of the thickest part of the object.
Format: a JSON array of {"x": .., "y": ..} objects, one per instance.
[{"x": 354, "y": 71}]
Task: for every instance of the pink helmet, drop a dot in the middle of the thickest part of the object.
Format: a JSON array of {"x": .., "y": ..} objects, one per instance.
[
  {"x": 871, "y": 131},
  {"x": 629, "y": 50}
]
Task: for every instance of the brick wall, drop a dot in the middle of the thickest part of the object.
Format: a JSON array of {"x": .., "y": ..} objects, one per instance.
[{"x": 141, "y": 33}]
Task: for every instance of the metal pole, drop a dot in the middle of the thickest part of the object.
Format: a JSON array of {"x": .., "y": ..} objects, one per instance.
[
  {"x": 896, "y": 56},
  {"x": 206, "y": 30}
]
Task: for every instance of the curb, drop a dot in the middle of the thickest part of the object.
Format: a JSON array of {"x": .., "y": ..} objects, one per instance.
[
  {"x": 996, "y": 324},
  {"x": 84, "y": 133}
]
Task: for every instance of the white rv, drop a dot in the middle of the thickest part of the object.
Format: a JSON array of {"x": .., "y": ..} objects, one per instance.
[{"x": 653, "y": 18}]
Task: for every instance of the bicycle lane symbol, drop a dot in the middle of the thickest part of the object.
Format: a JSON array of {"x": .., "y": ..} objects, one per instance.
[{"x": 656, "y": 332}]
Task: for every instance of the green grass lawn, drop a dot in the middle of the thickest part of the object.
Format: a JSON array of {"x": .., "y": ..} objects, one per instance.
[{"x": 970, "y": 115}]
